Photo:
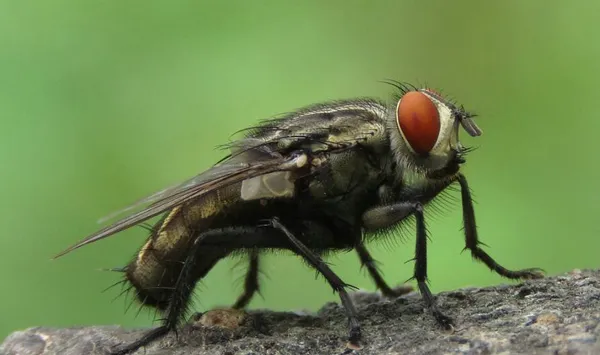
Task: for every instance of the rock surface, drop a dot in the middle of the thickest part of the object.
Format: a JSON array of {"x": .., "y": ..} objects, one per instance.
[{"x": 556, "y": 315}]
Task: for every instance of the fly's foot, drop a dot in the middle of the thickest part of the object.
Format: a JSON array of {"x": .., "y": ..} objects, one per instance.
[
  {"x": 443, "y": 320},
  {"x": 531, "y": 274},
  {"x": 149, "y": 337},
  {"x": 354, "y": 339},
  {"x": 122, "y": 350}
]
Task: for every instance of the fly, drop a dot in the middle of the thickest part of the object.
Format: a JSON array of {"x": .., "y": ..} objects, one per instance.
[{"x": 325, "y": 178}]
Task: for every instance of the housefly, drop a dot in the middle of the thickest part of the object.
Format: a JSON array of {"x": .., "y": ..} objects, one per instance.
[{"x": 325, "y": 178}]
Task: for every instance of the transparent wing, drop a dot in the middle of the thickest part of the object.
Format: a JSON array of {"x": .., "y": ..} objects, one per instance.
[
  {"x": 215, "y": 178},
  {"x": 242, "y": 151},
  {"x": 175, "y": 189}
]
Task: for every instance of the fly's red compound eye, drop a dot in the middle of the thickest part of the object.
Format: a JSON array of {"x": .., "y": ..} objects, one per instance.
[{"x": 419, "y": 121}]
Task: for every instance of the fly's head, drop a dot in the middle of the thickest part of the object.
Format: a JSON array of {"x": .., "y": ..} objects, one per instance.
[{"x": 424, "y": 131}]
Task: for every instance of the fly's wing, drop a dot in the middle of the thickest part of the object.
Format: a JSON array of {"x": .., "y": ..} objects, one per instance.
[
  {"x": 171, "y": 190},
  {"x": 241, "y": 153},
  {"x": 215, "y": 178},
  {"x": 266, "y": 159}
]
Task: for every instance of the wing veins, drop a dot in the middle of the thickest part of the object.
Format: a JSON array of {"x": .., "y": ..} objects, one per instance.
[{"x": 193, "y": 191}]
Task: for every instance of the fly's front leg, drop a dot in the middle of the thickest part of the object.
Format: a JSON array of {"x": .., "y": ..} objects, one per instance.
[
  {"x": 336, "y": 283},
  {"x": 472, "y": 240},
  {"x": 383, "y": 216},
  {"x": 421, "y": 269}
]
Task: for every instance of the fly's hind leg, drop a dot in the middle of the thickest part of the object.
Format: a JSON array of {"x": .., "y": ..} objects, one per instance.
[
  {"x": 251, "y": 285},
  {"x": 189, "y": 275}
]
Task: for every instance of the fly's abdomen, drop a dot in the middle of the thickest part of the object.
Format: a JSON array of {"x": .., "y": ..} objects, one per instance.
[{"x": 155, "y": 269}]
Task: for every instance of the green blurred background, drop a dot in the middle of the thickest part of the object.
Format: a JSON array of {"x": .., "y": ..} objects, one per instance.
[{"x": 103, "y": 102}]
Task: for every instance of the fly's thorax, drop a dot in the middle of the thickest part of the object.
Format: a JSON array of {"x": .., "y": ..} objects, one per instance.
[{"x": 344, "y": 184}]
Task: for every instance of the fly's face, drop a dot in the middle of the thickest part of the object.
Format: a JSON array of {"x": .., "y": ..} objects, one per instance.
[{"x": 425, "y": 132}]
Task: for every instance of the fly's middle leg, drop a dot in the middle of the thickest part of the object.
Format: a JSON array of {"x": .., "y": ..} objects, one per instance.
[
  {"x": 389, "y": 214},
  {"x": 251, "y": 285},
  {"x": 367, "y": 261},
  {"x": 420, "y": 273},
  {"x": 336, "y": 283}
]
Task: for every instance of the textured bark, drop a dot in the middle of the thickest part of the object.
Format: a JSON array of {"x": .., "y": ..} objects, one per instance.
[{"x": 556, "y": 315}]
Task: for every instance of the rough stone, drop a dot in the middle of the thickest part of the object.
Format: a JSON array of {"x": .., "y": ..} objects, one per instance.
[{"x": 555, "y": 315}]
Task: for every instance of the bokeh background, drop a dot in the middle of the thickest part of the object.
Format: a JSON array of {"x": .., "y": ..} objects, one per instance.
[{"x": 104, "y": 102}]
